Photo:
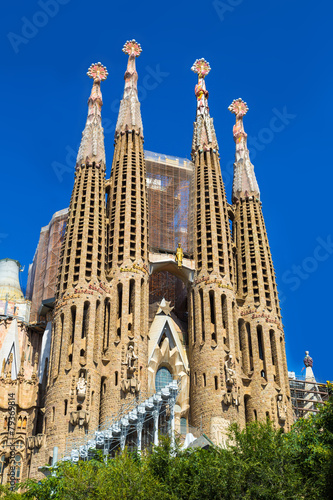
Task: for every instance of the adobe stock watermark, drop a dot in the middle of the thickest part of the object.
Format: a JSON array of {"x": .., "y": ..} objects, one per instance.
[
  {"x": 277, "y": 124},
  {"x": 3, "y": 236},
  {"x": 294, "y": 276},
  {"x": 152, "y": 79},
  {"x": 31, "y": 27},
  {"x": 225, "y": 7}
]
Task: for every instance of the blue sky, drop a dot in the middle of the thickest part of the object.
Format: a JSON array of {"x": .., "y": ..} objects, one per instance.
[{"x": 276, "y": 55}]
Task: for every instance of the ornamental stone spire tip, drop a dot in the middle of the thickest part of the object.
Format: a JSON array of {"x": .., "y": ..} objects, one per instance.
[
  {"x": 204, "y": 137},
  {"x": 129, "y": 117},
  {"x": 92, "y": 142},
  {"x": 245, "y": 182}
]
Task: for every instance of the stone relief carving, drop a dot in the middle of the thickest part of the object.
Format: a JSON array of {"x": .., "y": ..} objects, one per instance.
[
  {"x": 281, "y": 408},
  {"x": 81, "y": 387},
  {"x": 232, "y": 395},
  {"x": 80, "y": 418},
  {"x": 130, "y": 383}
]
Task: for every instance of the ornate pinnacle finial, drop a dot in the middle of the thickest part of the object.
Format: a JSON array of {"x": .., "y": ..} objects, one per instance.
[
  {"x": 201, "y": 67},
  {"x": 132, "y": 47},
  {"x": 238, "y": 107},
  {"x": 204, "y": 137},
  {"x": 129, "y": 117},
  {"x": 245, "y": 182},
  {"x": 92, "y": 142},
  {"x": 98, "y": 72}
]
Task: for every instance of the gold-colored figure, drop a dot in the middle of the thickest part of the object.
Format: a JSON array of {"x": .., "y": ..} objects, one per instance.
[{"x": 179, "y": 256}]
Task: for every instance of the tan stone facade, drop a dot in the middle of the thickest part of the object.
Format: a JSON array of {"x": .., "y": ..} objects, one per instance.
[{"x": 111, "y": 338}]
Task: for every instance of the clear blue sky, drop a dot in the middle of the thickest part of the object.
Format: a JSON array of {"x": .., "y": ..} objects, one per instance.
[{"x": 276, "y": 55}]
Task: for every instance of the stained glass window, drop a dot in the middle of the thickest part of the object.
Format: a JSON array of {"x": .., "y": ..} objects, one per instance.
[{"x": 163, "y": 378}]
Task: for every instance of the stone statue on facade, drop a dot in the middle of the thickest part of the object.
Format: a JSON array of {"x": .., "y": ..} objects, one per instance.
[
  {"x": 130, "y": 358},
  {"x": 130, "y": 383},
  {"x": 81, "y": 387},
  {"x": 281, "y": 408},
  {"x": 230, "y": 372}
]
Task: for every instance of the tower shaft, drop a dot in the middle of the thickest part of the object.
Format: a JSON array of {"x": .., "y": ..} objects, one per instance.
[
  {"x": 260, "y": 330},
  {"x": 126, "y": 355}
]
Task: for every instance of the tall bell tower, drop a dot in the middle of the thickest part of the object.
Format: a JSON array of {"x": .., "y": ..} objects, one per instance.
[
  {"x": 125, "y": 343},
  {"x": 261, "y": 336},
  {"x": 72, "y": 399},
  {"x": 213, "y": 304}
]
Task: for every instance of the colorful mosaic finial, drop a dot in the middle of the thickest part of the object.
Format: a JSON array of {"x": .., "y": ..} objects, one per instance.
[
  {"x": 98, "y": 72},
  {"x": 132, "y": 47},
  {"x": 201, "y": 67},
  {"x": 238, "y": 107},
  {"x": 245, "y": 182}
]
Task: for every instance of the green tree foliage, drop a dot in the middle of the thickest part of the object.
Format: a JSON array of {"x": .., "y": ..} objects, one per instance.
[{"x": 262, "y": 464}]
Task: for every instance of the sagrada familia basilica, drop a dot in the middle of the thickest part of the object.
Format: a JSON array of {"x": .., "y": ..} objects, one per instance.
[{"x": 144, "y": 310}]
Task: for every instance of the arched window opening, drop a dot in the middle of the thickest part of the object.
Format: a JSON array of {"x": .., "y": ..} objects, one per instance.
[
  {"x": 202, "y": 315},
  {"x": 183, "y": 425},
  {"x": 248, "y": 329},
  {"x": 24, "y": 423},
  {"x": 216, "y": 383},
  {"x": 204, "y": 380},
  {"x": 18, "y": 467},
  {"x": 107, "y": 312},
  {"x": 131, "y": 296},
  {"x": 260, "y": 342},
  {"x": 65, "y": 406},
  {"x": 120, "y": 299},
  {"x": 212, "y": 314},
  {"x": 163, "y": 378},
  {"x": 53, "y": 414},
  {"x": 19, "y": 423},
  {"x": 73, "y": 319},
  {"x": 85, "y": 320},
  {"x": 194, "y": 333},
  {"x": 115, "y": 378}
]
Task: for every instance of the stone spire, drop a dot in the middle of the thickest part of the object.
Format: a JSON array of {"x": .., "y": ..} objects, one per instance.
[
  {"x": 245, "y": 182},
  {"x": 92, "y": 142},
  {"x": 129, "y": 113},
  {"x": 204, "y": 137}
]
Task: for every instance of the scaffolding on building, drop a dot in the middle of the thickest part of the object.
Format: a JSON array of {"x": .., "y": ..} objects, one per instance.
[
  {"x": 137, "y": 426},
  {"x": 169, "y": 187},
  {"x": 44, "y": 270},
  {"x": 306, "y": 396}
]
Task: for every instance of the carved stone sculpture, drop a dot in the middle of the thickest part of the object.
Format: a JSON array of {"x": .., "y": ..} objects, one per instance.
[
  {"x": 230, "y": 372},
  {"x": 81, "y": 387},
  {"x": 281, "y": 408}
]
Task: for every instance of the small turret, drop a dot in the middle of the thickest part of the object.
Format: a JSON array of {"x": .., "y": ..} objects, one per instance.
[{"x": 9, "y": 280}]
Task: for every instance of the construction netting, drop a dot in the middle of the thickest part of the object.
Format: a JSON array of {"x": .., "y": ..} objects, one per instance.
[
  {"x": 169, "y": 183},
  {"x": 44, "y": 271}
]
